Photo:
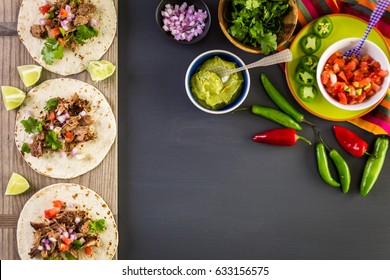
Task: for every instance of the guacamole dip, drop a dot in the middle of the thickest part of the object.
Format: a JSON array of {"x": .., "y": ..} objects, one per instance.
[{"x": 208, "y": 88}]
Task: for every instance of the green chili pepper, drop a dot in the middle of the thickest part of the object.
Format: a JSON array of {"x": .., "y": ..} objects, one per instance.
[
  {"x": 310, "y": 43},
  {"x": 323, "y": 27},
  {"x": 307, "y": 93},
  {"x": 374, "y": 165},
  {"x": 343, "y": 170},
  {"x": 323, "y": 167},
  {"x": 309, "y": 63},
  {"x": 304, "y": 77},
  {"x": 276, "y": 116},
  {"x": 280, "y": 101}
]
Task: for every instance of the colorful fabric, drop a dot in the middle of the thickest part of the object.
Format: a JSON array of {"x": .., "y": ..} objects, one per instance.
[{"x": 378, "y": 120}]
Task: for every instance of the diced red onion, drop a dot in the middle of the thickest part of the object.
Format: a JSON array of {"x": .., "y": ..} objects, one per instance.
[
  {"x": 27, "y": 113},
  {"x": 41, "y": 21},
  {"x": 73, "y": 236},
  {"x": 70, "y": 230},
  {"x": 31, "y": 136},
  {"x": 51, "y": 127},
  {"x": 77, "y": 220},
  {"x": 47, "y": 247},
  {"x": 63, "y": 154},
  {"x": 65, "y": 234},
  {"x": 40, "y": 248},
  {"x": 67, "y": 116},
  {"x": 82, "y": 240},
  {"x": 68, "y": 8},
  {"x": 45, "y": 241},
  {"x": 83, "y": 113},
  {"x": 183, "y": 21},
  {"x": 52, "y": 240},
  {"x": 64, "y": 24},
  {"x": 60, "y": 230},
  {"x": 70, "y": 204},
  {"x": 94, "y": 22},
  {"x": 74, "y": 151},
  {"x": 61, "y": 119}
]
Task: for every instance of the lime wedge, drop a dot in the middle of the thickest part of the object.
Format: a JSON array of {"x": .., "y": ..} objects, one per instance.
[
  {"x": 17, "y": 184},
  {"x": 30, "y": 74},
  {"x": 13, "y": 97},
  {"x": 100, "y": 70}
]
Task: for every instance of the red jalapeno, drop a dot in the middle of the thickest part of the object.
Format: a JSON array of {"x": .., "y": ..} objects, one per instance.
[
  {"x": 350, "y": 141},
  {"x": 279, "y": 136}
]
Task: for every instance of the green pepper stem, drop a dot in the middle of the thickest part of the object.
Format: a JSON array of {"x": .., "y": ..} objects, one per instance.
[
  {"x": 304, "y": 139},
  {"x": 241, "y": 109},
  {"x": 309, "y": 123}
]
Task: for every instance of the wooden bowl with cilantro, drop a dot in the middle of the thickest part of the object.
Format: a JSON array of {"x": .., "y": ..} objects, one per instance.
[{"x": 257, "y": 26}]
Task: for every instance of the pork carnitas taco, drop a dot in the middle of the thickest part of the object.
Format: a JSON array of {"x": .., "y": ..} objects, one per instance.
[
  {"x": 64, "y": 35},
  {"x": 66, "y": 222},
  {"x": 65, "y": 128}
]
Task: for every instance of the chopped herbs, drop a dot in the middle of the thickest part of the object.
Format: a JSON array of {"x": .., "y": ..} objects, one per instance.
[
  {"x": 52, "y": 141},
  {"x": 51, "y": 104},
  {"x": 77, "y": 244},
  {"x": 52, "y": 50},
  {"x": 257, "y": 22},
  {"x": 26, "y": 148},
  {"x": 97, "y": 226},
  {"x": 32, "y": 125},
  {"x": 84, "y": 32}
]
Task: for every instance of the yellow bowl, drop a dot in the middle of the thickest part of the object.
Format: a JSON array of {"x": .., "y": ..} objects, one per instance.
[{"x": 290, "y": 22}]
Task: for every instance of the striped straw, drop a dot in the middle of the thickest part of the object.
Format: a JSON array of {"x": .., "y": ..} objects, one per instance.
[{"x": 375, "y": 17}]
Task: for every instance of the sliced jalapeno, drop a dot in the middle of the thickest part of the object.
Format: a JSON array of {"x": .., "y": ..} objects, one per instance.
[
  {"x": 374, "y": 165},
  {"x": 276, "y": 116},
  {"x": 307, "y": 93},
  {"x": 342, "y": 169},
  {"x": 304, "y": 77},
  {"x": 310, "y": 43},
  {"x": 309, "y": 63},
  {"x": 323, "y": 27},
  {"x": 323, "y": 167}
]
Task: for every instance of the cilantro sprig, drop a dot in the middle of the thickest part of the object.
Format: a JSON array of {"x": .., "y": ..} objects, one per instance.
[
  {"x": 32, "y": 125},
  {"x": 84, "y": 32},
  {"x": 51, "y": 104},
  {"x": 52, "y": 140},
  {"x": 52, "y": 49},
  {"x": 257, "y": 22},
  {"x": 97, "y": 226}
]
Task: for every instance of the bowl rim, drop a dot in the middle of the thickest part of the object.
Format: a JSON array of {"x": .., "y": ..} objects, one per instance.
[
  {"x": 196, "y": 39},
  {"x": 206, "y": 55},
  {"x": 343, "y": 45}
]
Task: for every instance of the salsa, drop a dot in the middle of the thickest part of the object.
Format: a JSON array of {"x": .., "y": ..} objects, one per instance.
[{"x": 351, "y": 80}]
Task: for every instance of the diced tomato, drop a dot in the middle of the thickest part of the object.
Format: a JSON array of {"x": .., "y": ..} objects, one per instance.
[
  {"x": 350, "y": 66},
  {"x": 382, "y": 73},
  {"x": 64, "y": 13},
  {"x": 340, "y": 62},
  {"x": 55, "y": 32},
  {"x": 61, "y": 41},
  {"x": 88, "y": 251},
  {"x": 343, "y": 77},
  {"x": 376, "y": 65},
  {"x": 363, "y": 67},
  {"x": 349, "y": 75},
  {"x": 375, "y": 87},
  {"x": 66, "y": 240},
  {"x": 51, "y": 213},
  {"x": 57, "y": 204},
  {"x": 325, "y": 77},
  {"x": 44, "y": 9},
  {"x": 64, "y": 247},
  {"x": 52, "y": 116},
  {"x": 48, "y": 21},
  {"x": 342, "y": 98},
  {"x": 68, "y": 136}
]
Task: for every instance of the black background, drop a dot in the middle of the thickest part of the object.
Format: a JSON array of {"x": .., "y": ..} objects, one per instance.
[{"x": 194, "y": 185}]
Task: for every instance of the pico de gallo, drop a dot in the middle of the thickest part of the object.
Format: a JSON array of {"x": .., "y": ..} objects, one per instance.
[
  {"x": 64, "y": 23},
  {"x": 351, "y": 80}
]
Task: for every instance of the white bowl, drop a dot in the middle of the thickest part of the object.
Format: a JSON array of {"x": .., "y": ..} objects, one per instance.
[
  {"x": 368, "y": 48},
  {"x": 228, "y": 56}
]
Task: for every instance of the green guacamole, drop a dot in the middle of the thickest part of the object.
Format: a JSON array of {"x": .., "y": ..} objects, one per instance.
[{"x": 208, "y": 88}]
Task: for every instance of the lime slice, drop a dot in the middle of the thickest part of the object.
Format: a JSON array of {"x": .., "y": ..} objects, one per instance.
[
  {"x": 30, "y": 74},
  {"x": 13, "y": 97},
  {"x": 100, "y": 70},
  {"x": 17, "y": 184}
]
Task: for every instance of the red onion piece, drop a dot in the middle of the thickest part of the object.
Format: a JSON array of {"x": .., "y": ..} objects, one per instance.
[
  {"x": 52, "y": 240},
  {"x": 40, "y": 248}
]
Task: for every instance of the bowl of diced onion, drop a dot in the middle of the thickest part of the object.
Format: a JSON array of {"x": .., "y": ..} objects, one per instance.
[{"x": 183, "y": 22}]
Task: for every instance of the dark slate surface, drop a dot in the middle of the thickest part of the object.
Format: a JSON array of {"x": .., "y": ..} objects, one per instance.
[{"x": 195, "y": 186}]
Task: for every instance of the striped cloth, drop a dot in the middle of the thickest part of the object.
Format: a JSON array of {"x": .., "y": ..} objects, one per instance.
[{"x": 378, "y": 120}]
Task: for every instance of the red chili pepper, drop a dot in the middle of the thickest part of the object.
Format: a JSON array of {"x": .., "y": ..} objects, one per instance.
[
  {"x": 279, "y": 136},
  {"x": 350, "y": 141}
]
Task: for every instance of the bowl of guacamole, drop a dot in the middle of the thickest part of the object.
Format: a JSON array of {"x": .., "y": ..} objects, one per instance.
[{"x": 211, "y": 93}]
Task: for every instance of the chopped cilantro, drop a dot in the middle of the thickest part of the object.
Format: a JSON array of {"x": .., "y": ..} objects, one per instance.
[
  {"x": 52, "y": 50},
  {"x": 51, "y": 104},
  {"x": 69, "y": 256},
  {"x": 77, "y": 244},
  {"x": 97, "y": 226},
  {"x": 84, "y": 32},
  {"x": 32, "y": 125},
  {"x": 26, "y": 148},
  {"x": 52, "y": 141}
]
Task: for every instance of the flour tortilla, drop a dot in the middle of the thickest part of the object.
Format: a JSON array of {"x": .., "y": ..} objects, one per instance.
[
  {"x": 72, "y": 62},
  {"x": 53, "y": 163},
  {"x": 84, "y": 199}
]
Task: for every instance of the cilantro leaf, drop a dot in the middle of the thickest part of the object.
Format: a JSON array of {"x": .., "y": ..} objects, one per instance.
[
  {"x": 77, "y": 244},
  {"x": 51, "y": 104},
  {"x": 32, "y": 125},
  {"x": 52, "y": 49},
  {"x": 268, "y": 43},
  {"x": 52, "y": 141},
  {"x": 83, "y": 33},
  {"x": 97, "y": 226},
  {"x": 26, "y": 148}
]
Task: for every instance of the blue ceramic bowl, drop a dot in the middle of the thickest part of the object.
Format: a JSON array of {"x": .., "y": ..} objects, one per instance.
[{"x": 228, "y": 56}]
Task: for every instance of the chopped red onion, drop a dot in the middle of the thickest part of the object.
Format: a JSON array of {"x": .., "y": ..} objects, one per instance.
[
  {"x": 27, "y": 113},
  {"x": 61, "y": 119},
  {"x": 41, "y": 21},
  {"x": 40, "y": 248},
  {"x": 93, "y": 22},
  {"x": 70, "y": 230},
  {"x": 52, "y": 240},
  {"x": 31, "y": 136},
  {"x": 70, "y": 204},
  {"x": 82, "y": 240},
  {"x": 183, "y": 21},
  {"x": 64, "y": 24},
  {"x": 73, "y": 236},
  {"x": 74, "y": 151},
  {"x": 51, "y": 127},
  {"x": 60, "y": 230},
  {"x": 63, "y": 154},
  {"x": 47, "y": 247},
  {"x": 67, "y": 116},
  {"x": 45, "y": 241},
  {"x": 77, "y": 220},
  {"x": 83, "y": 113},
  {"x": 65, "y": 234}
]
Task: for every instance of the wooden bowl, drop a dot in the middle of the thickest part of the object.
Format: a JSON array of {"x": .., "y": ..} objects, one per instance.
[{"x": 290, "y": 22}]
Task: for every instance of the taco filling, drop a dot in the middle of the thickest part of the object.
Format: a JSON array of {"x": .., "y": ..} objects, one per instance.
[
  {"x": 65, "y": 124},
  {"x": 65, "y": 233},
  {"x": 64, "y": 24}
]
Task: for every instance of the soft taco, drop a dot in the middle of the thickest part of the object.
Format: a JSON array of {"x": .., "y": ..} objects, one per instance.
[
  {"x": 66, "y": 222},
  {"x": 64, "y": 128},
  {"x": 64, "y": 35}
]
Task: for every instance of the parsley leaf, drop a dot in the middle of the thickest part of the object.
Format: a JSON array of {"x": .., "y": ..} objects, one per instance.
[
  {"x": 26, "y": 148},
  {"x": 83, "y": 33},
  {"x": 52, "y": 49},
  {"x": 268, "y": 43},
  {"x": 32, "y": 125},
  {"x": 51, "y": 104},
  {"x": 97, "y": 226},
  {"x": 52, "y": 141}
]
